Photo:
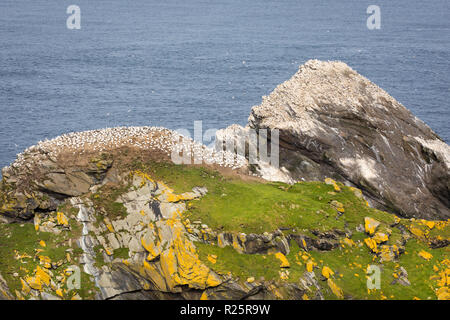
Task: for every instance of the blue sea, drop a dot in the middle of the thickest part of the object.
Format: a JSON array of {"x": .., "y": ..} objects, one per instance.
[{"x": 168, "y": 63}]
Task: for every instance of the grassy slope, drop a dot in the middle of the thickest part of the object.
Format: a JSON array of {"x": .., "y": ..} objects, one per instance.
[
  {"x": 234, "y": 205},
  {"x": 24, "y": 239},
  {"x": 248, "y": 206}
]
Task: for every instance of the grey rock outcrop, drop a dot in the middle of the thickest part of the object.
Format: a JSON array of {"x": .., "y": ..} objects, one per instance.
[
  {"x": 41, "y": 182},
  {"x": 335, "y": 123},
  {"x": 76, "y": 163},
  {"x": 4, "y": 290}
]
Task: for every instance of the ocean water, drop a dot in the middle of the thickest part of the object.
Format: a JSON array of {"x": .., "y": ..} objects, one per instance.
[{"x": 168, "y": 63}]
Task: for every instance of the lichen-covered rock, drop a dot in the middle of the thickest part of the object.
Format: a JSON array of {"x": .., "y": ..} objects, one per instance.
[
  {"x": 38, "y": 183},
  {"x": 370, "y": 225},
  {"x": 135, "y": 240}
]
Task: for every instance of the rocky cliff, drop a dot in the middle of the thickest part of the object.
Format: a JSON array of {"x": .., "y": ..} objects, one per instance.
[
  {"x": 335, "y": 123},
  {"x": 105, "y": 214}
]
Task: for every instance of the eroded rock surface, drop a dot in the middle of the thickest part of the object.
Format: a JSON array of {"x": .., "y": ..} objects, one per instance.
[
  {"x": 162, "y": 260},
  {"x": 4, "y": 290},
  {"x": 333, "y": 123},
  {"x": 72, "y": 164}
]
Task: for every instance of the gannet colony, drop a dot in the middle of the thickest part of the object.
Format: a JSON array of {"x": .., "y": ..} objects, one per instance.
[{"x": 146, "y": 138}]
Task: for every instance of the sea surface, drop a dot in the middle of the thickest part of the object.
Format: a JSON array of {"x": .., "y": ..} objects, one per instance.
[{"x": 168, "y": 63}]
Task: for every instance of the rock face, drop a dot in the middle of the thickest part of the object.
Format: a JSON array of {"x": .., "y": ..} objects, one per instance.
[
  {"x": 132, "y": 231},
  {"x": 162, "y": 261},
  {"x": 4, "y": 290},
  {"x": 33, "y": 188},
  {"x": 335, "y": 123}
]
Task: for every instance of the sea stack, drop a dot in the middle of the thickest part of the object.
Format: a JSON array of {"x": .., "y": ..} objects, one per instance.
[{"x": 335, "y": 123}]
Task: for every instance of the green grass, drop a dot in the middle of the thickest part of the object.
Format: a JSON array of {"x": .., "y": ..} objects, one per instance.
[
  {"x": 420, "y": 270},
  {"x": 256, "y": 207},
  {"x": 247, "y": 206},
  {"x": 349, "y": 265},
  {"x": 24, "y": 239},
  {"x": 237, "y": 206},
  {"x": 121, "y": 253},
  {"x": 242, "y": 266},
  {"x": 104, "y": 201},
  {"x": 99, "y": 260}
]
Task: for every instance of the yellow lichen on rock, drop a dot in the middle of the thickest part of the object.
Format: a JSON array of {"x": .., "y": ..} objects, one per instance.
[
  {"x": 153, "y": 273},
  {"x": 417, "y": 232},
  {"x": 388, "y": 253},
  {"x": 40, "y": 277},
  {"x": 327, "y": 272},
  {"x": 25, "y": 287},
  {"x": 284, "y": 274},
  {"x": 330, "y": 181},
  {"x": 37, "y": 221},
  {"x": 45, "y": 261},
  {"x": 335, "y": 289},
  {"x": 304, "y": 244},
  {"x": 426, "y": 255},
  {"x": 62, "y": 219},
  {"x": 338, "y": 206},
  {"x": 370, "y": 225},
  {"x": 429, "y": 224},
  {"x": 108, "y": 224},
  {"x": 380, "y": 237},
  {"x": 181, "y": 266},
  {"x": 152, "y": 248},
  {"x": 372, "y": 244},
  {"x": 19, "y": 295},
  {"x": 19, "y": 256},
  {"x": 172, "y": 197},
  {"x": 310, "y": 265},
  {"x": 349, "y": 242},
  {"x": 443, "y": 293},
  {"x": 357, "y": 192},
  {"x": 284, "y": 261},
  {"x": 108, "y": 251},
  {"x": 442, "y": 224},
  {"x": 43, "y": 275},
  {"x": 168, "y": 195},
  {"x": 442, "y": 280},
  {"x": 212, "y": 258},
  {"x": 236, "y": 244}
]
